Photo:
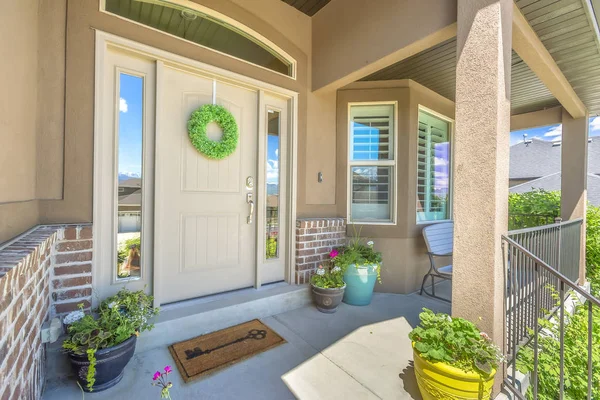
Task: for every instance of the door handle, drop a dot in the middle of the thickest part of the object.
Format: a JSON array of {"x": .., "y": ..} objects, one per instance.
[{"x": 249, "y": 219}]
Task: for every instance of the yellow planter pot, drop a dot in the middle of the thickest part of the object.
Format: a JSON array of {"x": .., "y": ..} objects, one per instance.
[{"x": 442, "y": 381}]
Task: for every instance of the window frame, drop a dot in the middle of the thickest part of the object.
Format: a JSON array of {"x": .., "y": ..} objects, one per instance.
[
  {"x": 246, "y": 31},
  {"x": 145, "y": 146},
  {"x": 393, "y": 164},
  {"x": 450, "y": 122}
]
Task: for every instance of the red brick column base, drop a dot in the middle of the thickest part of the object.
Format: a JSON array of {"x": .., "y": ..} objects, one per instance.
[{"x": 315, "y": 238}]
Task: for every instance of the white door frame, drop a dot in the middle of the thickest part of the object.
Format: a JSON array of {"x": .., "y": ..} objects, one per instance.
[{"x": 103, "y": 42}]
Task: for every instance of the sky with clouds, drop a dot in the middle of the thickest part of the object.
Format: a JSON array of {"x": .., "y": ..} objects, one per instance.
[
  {"x": 551, "y": 133},
  {"x": 130, "y": 124}
]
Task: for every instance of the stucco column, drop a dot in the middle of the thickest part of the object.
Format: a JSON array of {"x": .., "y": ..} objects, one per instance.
[
  {"x": 481, "y": 160},
  {"x": 574, "y": 155}
]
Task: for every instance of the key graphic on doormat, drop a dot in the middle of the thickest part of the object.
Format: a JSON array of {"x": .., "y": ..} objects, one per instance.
[
  {"x": 208, "y": 353},
  {"x": 255, "y": 334}
]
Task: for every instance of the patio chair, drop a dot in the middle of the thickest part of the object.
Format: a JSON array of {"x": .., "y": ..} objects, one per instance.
[{"x": 439, "y": 240}]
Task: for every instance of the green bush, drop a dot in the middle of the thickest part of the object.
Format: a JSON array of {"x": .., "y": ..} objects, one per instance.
[
  {"x": 543, "y": 203},
  {"x": 539, "y": 203},
  {"x": 575, "y": 367},
  {"x": 536, "y": 202}
]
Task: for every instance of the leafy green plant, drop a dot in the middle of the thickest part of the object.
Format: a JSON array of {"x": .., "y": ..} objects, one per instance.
[
  {"x": 455, "y": 341},
  {"x": 357, "y": 253},
  {"x": 575, "y": 356},
  {"x": 592, "y": 248},
  {"x": 328, "y": 278},
  {"x": 536, "y": 202},
  {"x": 116, "y": 319}
]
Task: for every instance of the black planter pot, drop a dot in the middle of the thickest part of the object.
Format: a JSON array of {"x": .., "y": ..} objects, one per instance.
[
  {"x": 327, "y": 300},
  {"x": 110, "y": 364}
]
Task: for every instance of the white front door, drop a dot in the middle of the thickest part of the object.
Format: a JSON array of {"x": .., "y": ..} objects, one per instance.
[
  {"x": 167, "y": 219},
  {"x": 205, "y": 242}
]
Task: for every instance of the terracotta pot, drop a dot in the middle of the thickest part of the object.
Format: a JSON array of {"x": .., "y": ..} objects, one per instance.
[{"x": 327, "y": 300}]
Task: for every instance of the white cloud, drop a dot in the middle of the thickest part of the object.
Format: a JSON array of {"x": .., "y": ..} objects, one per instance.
[
  {"x": 122, "y": 105},
  {"x": 272, "y": 171},
  {"x": 595, "y": 124},
  {"x": 438, "y": 161},
  {"x": 554, "y": 132},
  {"x": 277, "y": 153}
]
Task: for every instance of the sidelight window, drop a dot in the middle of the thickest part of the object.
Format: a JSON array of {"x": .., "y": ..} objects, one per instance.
[{"x": 130, "y": 111}]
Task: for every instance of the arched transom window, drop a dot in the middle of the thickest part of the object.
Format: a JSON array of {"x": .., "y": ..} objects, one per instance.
[{"x": 205, "y": 27}]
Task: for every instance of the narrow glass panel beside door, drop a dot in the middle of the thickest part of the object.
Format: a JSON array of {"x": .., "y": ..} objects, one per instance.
[
  {"x": 129, "y": 177},
  {"x": 272, "y": 215}
]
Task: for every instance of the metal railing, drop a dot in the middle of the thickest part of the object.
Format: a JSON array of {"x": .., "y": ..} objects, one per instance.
[
  {"x": 558, "y": 245},
  {"x": 538, "y": 290}
]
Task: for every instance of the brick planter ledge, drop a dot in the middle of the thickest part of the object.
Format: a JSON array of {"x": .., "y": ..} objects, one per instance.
[{"x": 43, "y": 273}]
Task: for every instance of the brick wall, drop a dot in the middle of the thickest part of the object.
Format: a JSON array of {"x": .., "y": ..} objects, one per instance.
[
  {"x": 315, "y": 238},
  {"x": 72, "y": 270},
  {"x": 48, "y": 262}
]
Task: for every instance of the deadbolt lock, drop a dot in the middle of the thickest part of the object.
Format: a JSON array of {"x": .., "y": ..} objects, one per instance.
[{"x": 249, "y": 182}]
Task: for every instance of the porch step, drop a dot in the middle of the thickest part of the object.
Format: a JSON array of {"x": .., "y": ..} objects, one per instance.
[{"x": 185, "y": 320}]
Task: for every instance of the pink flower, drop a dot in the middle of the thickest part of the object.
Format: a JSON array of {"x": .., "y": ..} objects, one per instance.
[
  {"x": 156, "y": 376},
  {"x": 334, "y": 253},
  {"x": 168, "y": 369}
]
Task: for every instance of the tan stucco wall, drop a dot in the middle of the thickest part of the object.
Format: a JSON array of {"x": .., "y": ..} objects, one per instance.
[
  {"x": 352, "y": 38},
  {"x": 18, "y": 74},
  {"x": 403, "y": 248},
  {"x": 282, "y": 24}
]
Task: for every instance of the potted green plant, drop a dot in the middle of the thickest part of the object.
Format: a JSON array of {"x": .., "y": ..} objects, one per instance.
[
  {"x": 453, "y": 358},
  {"x": 361, "y": 266},
  {"x": 100, "y": 344},
  {"x": 328, "y": 288}
]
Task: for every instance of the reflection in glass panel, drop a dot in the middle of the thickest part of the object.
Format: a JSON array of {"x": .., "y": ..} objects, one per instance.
[
  {"x": 272, "y": 231},
  {"x": 129, "y": 225},
  {"x": 433, "y": 169},
  {"x": 372, "y": 132},
  {"x": 371, "y": 193},
  {"x": 199, "y": 28}
]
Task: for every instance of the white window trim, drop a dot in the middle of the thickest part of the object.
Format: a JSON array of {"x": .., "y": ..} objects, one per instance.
[
  {"x": 450, "y": 121},
  {"x": 391, "y": 163},
  {"x": 247, "y": 31}
]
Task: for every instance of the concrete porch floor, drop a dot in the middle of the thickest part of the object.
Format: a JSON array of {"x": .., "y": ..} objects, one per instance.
[{"x": 356, "y": 353}]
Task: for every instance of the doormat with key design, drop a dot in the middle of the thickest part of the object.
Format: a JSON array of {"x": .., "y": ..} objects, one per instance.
[{"x": 208, "y": 353}]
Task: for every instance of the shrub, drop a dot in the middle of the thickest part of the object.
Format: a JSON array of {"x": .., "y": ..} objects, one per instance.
[
  {"x": 575, "y": 367},
  {"x": 545, "y": 203}
]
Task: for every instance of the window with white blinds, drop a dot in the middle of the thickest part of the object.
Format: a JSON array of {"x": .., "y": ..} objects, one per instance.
[
  {"x": 371, "y": 163},
  {"x": 433, "y": 169}
]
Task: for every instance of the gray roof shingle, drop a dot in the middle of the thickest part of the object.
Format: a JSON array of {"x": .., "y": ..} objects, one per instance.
[
  {"x": 552, "y": 182},
  {"x": 541, "y": 158}
]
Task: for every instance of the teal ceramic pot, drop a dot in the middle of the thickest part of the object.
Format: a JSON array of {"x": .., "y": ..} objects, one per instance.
[{"x": 360, "y": 282}]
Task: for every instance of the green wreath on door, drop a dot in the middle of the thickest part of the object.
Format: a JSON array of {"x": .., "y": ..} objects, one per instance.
[{"x": 199, "y": 120}]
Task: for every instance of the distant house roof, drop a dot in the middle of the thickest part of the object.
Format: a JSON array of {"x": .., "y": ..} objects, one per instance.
[
  {"x": 131, "y": 199},
  {"x": 130, "y": 182},
  {"x": 552, "y": 182},
  {"x": 541, "y": 158}
]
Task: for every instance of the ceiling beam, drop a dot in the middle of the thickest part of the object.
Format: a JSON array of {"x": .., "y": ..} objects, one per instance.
[{"x": 530, "y": 48}]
